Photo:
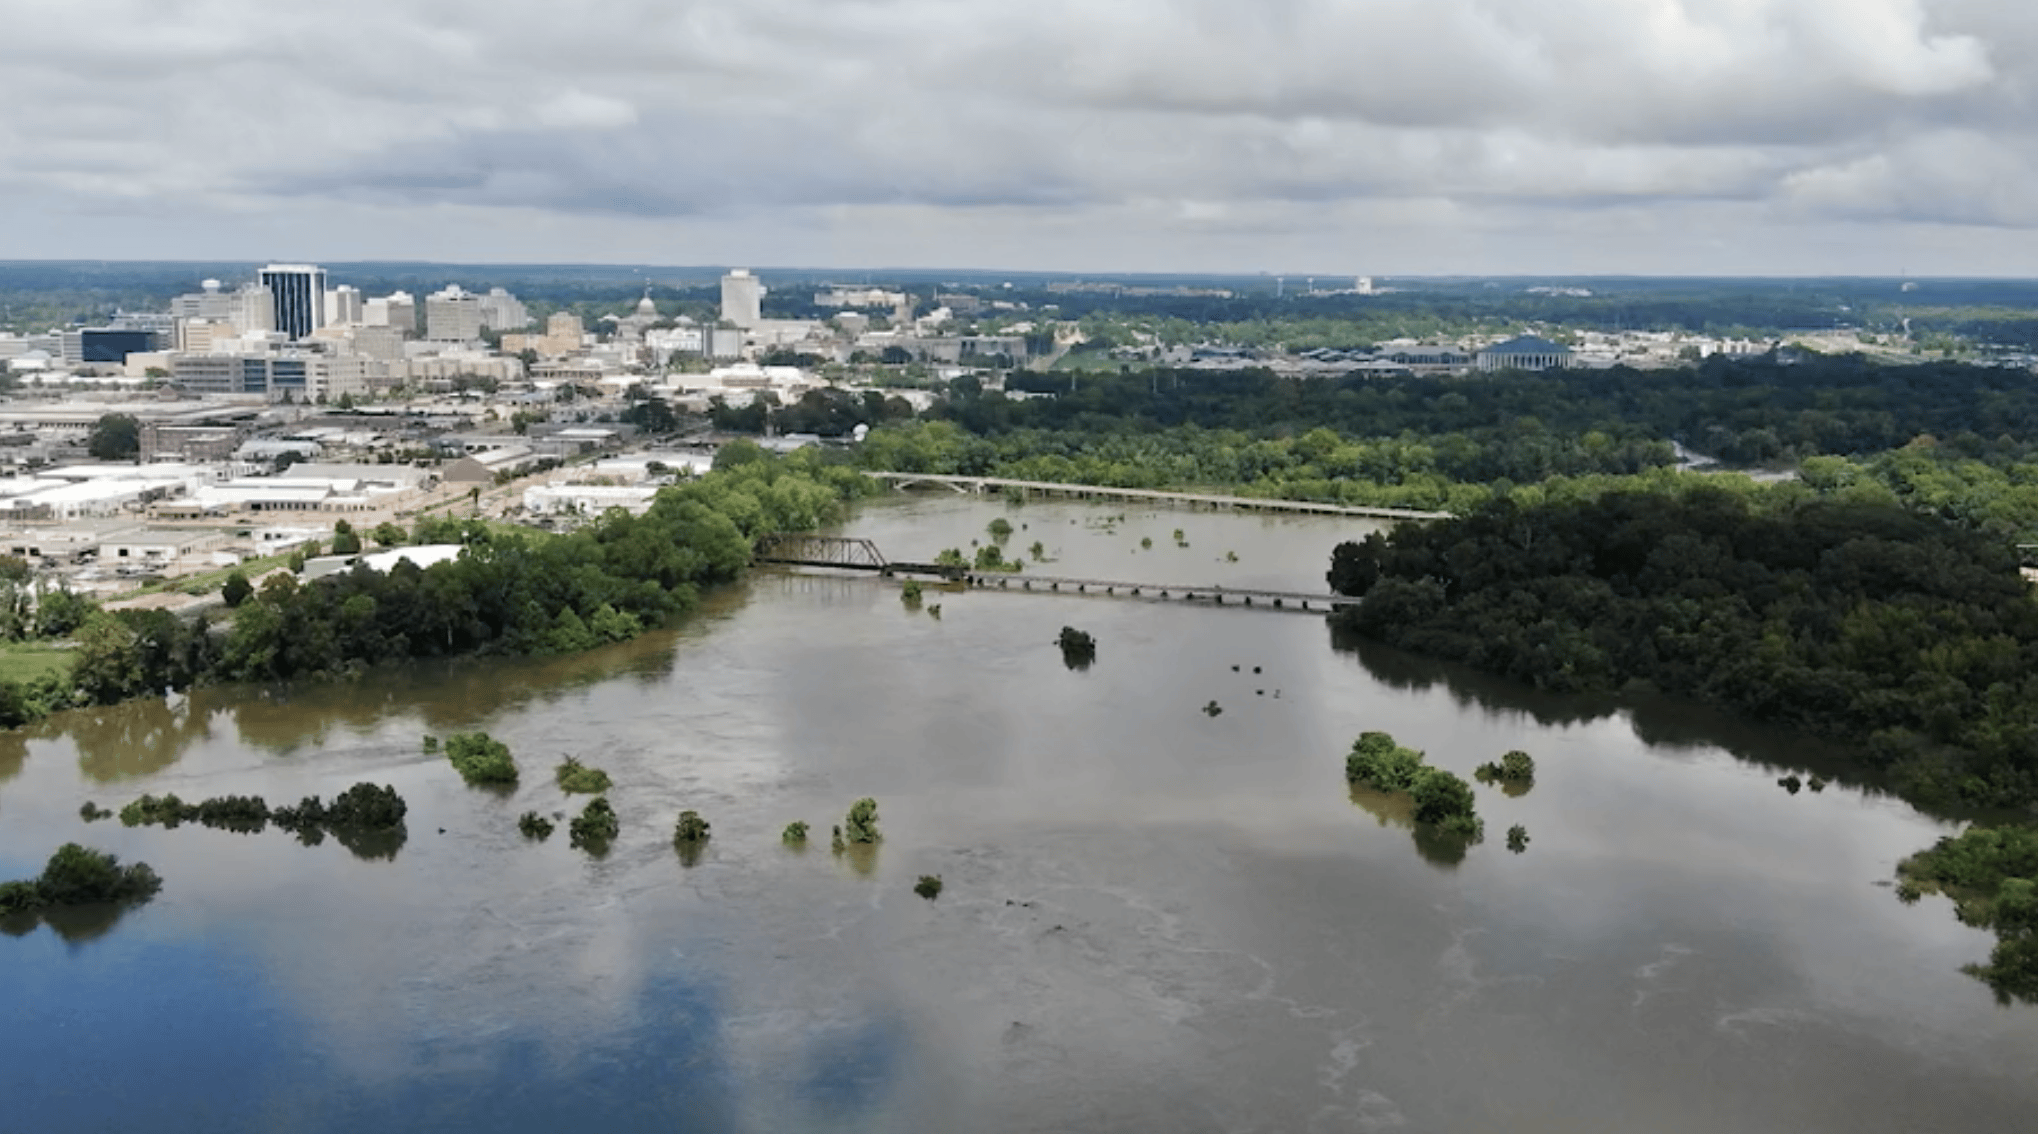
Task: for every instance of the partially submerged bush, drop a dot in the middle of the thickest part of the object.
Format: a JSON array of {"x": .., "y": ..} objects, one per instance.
[
  {"x": 93, "y": 813},
  {"x": 534, "y": 826},
  {"x": 795, "y": 832},
  {"x": 367, "y": 807},
  {"x": 151, "y": 810},
  {"x": 862, "y": 824},
  {"x": 928, "y": 887},
  {"x": 1381, "y": 764},
  {"x": 595, "y": 826},
  {"x": 1514, "y": 767},
  {"x": 575, "y": 776},
  {"x": 480, "y": 758},
  {"x": 1441, "y": 799},
  {"x": 364, "y": 817},
  {"x": 690, "y": 828},
  {"x": 1517, "y": 838},
  {"x": 431, "y": 743},
  {"x": 1078, "y": 649}
]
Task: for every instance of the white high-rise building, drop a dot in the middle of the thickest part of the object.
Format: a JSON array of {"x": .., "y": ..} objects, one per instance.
[
  {"x": 300, "y": 297},
  {"x": 343, "y": 306},
  {"x": 397, "y": 309},
  {"x": 502, "y": 311},
  {"x": 253, "y": 309},
  {"x": 453, "y": 315},
  {"x": 742, "y": 298}
]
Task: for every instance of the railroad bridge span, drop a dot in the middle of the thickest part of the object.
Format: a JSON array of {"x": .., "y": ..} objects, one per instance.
[{"x": 844, "y": 553}]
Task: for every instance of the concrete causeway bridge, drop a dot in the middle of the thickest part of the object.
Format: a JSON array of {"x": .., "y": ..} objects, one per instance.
[
  {"x": 851, "y": 554},
  {"x": 974, "y": 484}
]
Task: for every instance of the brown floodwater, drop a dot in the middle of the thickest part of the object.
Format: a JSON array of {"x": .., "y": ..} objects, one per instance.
[{"x": 1152, "y": 918}]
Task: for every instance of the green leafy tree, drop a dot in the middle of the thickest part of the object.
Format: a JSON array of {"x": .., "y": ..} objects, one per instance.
[
  {"x": 387, "y": 534},
  {"x": 345, "y": 541},
  {"x": 690, "y": 828},
  {"x": 928, "y": 887},
  {"x": 1078, "y": 648},
  {"x": 861, "y": 826},
  {"x": 577, "y": 777},
  {"x": 236, "y": 590},
  {"x": 77, "y": 876},
  {"x": 534, "y": 826},
  {"x": 795, "y": 832},
  {"x": 595, "y": 827},
  {"x": 480, "y": 758},
  {"x": 116, "y": 437}
]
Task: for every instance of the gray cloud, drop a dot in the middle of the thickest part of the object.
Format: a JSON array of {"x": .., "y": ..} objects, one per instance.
[{"x": 944, "y": 128}]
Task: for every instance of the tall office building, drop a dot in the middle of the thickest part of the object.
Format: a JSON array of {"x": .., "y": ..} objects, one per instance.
[
  {"x": 502, "y": 311},
  {"x": 343, "y": 306},
  {"x": 300, "y": 291},
  {"x": 453, "y": 315},
  {"x": 253, "y": 309},
  {"x": 742, "y": 298}
]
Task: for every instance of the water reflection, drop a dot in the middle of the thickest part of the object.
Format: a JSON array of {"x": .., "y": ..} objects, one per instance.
[
  {"x": 1662, "y": 722},
  {"x": 13, "y": 753},
  {"x": 288, "y": 718},
  {"x": 131, "y": 739},
  {"x": 1397, "y": 809},
  {"x": 862, "y": 858},
  {"x": 75, "y": 924}
]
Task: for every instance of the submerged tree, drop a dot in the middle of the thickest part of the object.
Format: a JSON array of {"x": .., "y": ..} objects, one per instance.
[
  {"x": 795, "y": 832},
  {"x": 76, "y": 876},
  {"x": 690, "y": 828},
  {"x": 1515, "y": 767},
  {"x": 1517, "y": 838},
  {"x": 480, "y": 758},
  {"x": 862, "y": 823},
  {"x": 534, "y": 826},
  {"x": 575, "y": 776},
  {"x": 1441, "y": 800},
  {"x": 928, "y": 887},
  {"x": 595, "y": 827},
  {"x": 1078, "y": 649}
]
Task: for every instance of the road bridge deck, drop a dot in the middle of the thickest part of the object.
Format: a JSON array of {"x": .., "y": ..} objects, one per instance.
[{"x": 971, "y": 484}]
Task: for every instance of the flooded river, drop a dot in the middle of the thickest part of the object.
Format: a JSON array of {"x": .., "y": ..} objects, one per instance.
[{"x": 1154, "y": 919}]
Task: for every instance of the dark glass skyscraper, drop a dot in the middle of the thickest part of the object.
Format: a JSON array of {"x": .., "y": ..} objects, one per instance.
[{"x": 299, "y": 291}]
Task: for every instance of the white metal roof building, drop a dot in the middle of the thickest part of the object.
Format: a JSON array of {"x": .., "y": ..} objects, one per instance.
[
  {"x": 1525, "y": 352},
  {"x": 590, "y": 499}
]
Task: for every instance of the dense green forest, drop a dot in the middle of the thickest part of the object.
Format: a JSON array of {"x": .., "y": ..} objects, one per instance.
[
  {"x": 1911, "y": 637},
  {"x": 1946, "y": 439},
  {"x": 507, "y": 593}
]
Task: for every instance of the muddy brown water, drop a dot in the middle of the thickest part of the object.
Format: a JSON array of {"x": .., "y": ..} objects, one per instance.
[{"x": 1153, "y": 919}]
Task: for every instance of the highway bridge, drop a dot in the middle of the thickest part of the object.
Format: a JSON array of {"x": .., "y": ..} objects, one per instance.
[{"x": 975, "y": 484}]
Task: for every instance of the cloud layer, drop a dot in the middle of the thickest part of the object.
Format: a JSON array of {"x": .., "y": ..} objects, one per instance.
[{"x": 1416, "y": 135}]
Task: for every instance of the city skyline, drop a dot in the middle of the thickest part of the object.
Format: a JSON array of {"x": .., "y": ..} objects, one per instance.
[{"x": 1551, "y": 137}]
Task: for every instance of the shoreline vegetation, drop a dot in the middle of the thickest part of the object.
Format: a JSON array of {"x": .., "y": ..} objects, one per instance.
[
  {"x": 1908, "y": 637},
  {"x": 509, "y": 593}
]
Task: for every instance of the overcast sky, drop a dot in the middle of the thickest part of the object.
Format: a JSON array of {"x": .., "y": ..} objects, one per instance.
[{"x": 1372, "y": 137}]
